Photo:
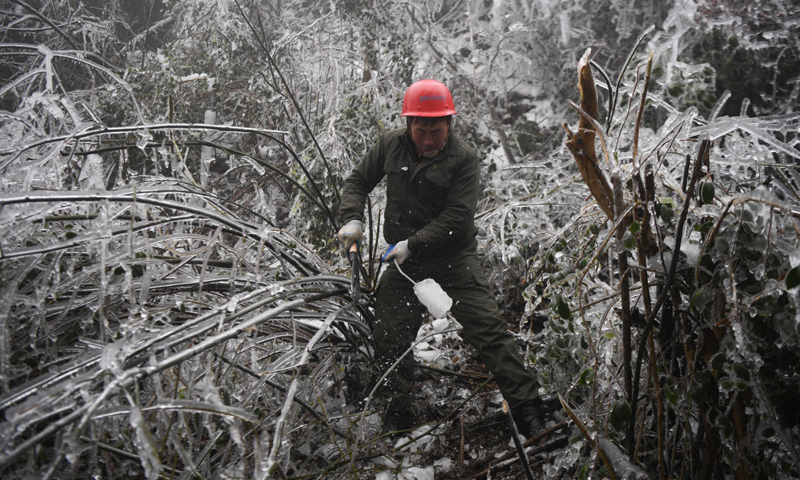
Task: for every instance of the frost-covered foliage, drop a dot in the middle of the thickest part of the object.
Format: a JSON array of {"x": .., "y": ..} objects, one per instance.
[
  {"x": 172, "y": 301},
  {"x": 150, "y": 325},
  {"x": 154, "y": 318},
  {"x": 673, "y": 324}
]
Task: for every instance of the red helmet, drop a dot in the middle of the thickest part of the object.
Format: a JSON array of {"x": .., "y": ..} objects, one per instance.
[{"x": 427, "y": 98}]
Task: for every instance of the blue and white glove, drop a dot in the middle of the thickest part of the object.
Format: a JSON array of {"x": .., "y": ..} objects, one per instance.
[
  {"x": 350, "y": 233},
  {"x": 398, "y": 252}
]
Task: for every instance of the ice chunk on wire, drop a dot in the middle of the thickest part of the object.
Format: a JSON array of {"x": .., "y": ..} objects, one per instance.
[{"x": 435, "y": 299}]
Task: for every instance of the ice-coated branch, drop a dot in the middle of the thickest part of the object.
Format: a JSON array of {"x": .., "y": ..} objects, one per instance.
[{"x": 103, "y": 130}]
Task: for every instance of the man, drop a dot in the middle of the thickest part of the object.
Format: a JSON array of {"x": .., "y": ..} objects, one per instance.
[{"x": 432, "y": 190}]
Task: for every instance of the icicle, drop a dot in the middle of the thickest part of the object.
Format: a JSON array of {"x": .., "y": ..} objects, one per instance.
[
  {"x": 48, "y": 66},
  {"x": 718, "y": 107},
  {"x": 745, "y": 107},
  {"x": 148, "y": 455},
  {"x": 206, "y": 152},
  {"x": 92, "y": 173},
  {"x": 566, "y": 29},
  {"x": 145, "y": 137}
]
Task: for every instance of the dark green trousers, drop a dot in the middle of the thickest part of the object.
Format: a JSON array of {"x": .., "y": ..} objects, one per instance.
[{"x": 399, "y": 316}]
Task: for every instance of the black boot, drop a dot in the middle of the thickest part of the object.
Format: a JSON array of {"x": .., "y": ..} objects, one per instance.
[
  {"x": 530, "y": 417},
  {"x": 398, "y": 419}
]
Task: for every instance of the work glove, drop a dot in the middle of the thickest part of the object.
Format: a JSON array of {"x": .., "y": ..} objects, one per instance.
[
  {"x": 350, "y": 233},
  {"x": 398, "y": 252}
]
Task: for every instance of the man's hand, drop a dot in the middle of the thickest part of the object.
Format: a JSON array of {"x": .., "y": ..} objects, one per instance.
[
  {"x": 350, "y": 233},
  {"x": 399, "y": 253}
]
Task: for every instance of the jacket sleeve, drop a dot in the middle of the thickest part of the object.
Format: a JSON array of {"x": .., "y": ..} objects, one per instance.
[
  {"x": 456, "y": 221},
  {"x": 364, "y": 177}
]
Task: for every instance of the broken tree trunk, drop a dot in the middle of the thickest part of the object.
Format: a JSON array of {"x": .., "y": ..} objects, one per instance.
[{"x": 581, "y": 144}]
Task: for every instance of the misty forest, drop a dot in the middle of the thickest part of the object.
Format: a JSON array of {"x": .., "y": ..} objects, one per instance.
[{"x": 174, "y": 303}]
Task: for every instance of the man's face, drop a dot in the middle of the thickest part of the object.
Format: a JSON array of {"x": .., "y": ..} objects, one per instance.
[{"x": 429, "y": 139}]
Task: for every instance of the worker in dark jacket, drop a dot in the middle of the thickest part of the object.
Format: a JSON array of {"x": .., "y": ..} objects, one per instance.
[{"x": 432, "y": 190}]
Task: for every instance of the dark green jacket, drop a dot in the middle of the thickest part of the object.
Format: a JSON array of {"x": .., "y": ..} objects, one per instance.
[{"x": 430, "y": 202}]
